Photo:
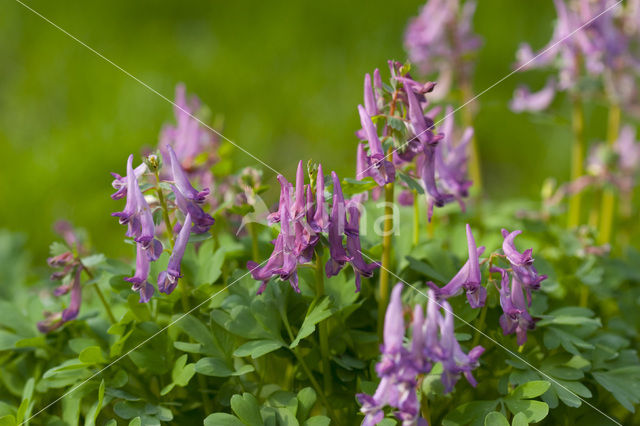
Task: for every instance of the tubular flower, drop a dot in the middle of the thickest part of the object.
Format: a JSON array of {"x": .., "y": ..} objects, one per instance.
[
  {"x": 168, "y": 279},
  {"x": 337, "y": 222},
  {"x": 468, "y": 277},
  {"x": 451, "y": 160},
  {"x": 120, "y": 183},
  {"x": 379, "y": 168},
  {"x": 354, "y": 248},
  {"x": 53, "y": 321},
  {"x": 521, "y": 263},
  {"x": 441, "y": 39},
  {"x": 432, "y": 340},
  {"x": 515, "y": 319},
  {"x": 283, "y": 260},
  {"x": 139, "y": 280},
  {"x": 525, "y": 100}
]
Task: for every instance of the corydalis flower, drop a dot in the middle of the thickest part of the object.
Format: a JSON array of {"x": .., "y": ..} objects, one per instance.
[
  {"x": 516, "y": 318},
  {"x": 432, "y": 340},
  {"x": 521, "y": 263},
  {"x": 379, "y": 168},
  {"x": 451, "y": 159},
  {"x": 120, "y": 182},
  {"x": 168, "y": 279},
  {"x": 441, "y": 39},
  {"x": 143, "y": 261},
  {"x": 338, "y": 225},
  {"x": 468, "y": 278},
  {"x": 56, "y": 320},
  {"x": 136, "y": 214}
]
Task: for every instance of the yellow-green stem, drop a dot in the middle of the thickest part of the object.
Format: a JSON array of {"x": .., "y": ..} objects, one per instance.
[
  {"x": 416, "y": 219},
  {"x": 104, "y": 303},
  {"x": 165, "y": 210},
  {"x": 323, "y": 330},
  {"x": 577, "y": 159},
  {"x": 386, "y": 256},
  {"x": 254, "y": 241},
  {"x": 608, "y": 196},
  {"x": 475, "y": 171},
  {"x": 480, "y": 326}
]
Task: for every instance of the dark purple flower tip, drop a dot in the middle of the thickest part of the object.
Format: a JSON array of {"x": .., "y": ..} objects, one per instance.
[
  {"x": 202, "y": 221},
  {"x": 120, "y": 182},
  {"x": 182, "y": 181},
  {"x": 513, "y": 255},
  {"x": 145, "y": 289}
]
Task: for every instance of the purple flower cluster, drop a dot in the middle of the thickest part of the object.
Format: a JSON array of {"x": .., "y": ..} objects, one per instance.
[
  {"x": 441, "y": 39},
  {"x": 432, "y": 341},
  {"x": 594, "y": 37},
  {"x": 69, "y": 269},
  {"x": 524, "y": 279},
  {"x": 302, "y": 219},
  {"x": 435, "y": 158},
  {"x": 138, "y": 217},
  {"x": 468, "y": 278}
]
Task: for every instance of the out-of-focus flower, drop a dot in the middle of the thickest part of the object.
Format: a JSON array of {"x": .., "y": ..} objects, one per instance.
[
  {"x": 468, "y": 278},
  {"x": 53, "y": 321},
  {"x": 525, "y": 100},
  {"x": 451, "y": 159},
  {"x": 168, "y": 279},
  {"x": 441, "y": 39}
]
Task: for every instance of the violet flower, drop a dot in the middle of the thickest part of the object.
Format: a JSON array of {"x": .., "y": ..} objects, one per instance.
[
  {"x": 525, "y": 100},
  {"x": 441, "y": 39},
  {"x": 354, "y": 248},
  {"x": 283, "y": 260},
  {"x": 521, "y": 263},
  {"x": 380, "y": 169},
  {"x": 120, "y": 182},
  {"x": 182, "y": 181},
  {"x": 515, "y": 319},
  {"x": 468, "y": 277},
  {"x": 168, "y": 279},
  {"x": 139, "y": 280},
  {"x": 337, "y": 222},
  {"x": 53, "y": 321}
]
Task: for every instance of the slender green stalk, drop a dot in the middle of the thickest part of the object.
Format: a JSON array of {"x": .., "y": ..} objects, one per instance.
[
  {"x": 165, "y": 210},
  {"x": 577, "y": 158},
  {"x": 103, "y": 300},
  {"x": 386, "y": 256},
  {"x": 475, "y": 170},
  {"x": 253, "y": 231},
  {"x": 480, "y": 326},
  {"x": 323, "y": 330},
  {"x": 424, "y": 408},
  {"x": 608, "y": 196},
  {"x": 416, "y": 219}
]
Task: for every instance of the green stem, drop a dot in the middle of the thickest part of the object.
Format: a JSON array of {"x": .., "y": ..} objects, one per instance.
[
  {"x": 323, "y": 329},
  {"x": 608, "y": 196},
  {"x": 416, "y": 219},
  {"x": 475, "y": 170},
  {"x": 165, "y": 210},
  {"x": 253, "y": 231},
  {"x": 480, "y": 326},
  {"x": 104, "y": 303},
  {"x": 386, "y": 256},
  {"x": 577, "y": 158},
  {"x": 424, "y": 409}
]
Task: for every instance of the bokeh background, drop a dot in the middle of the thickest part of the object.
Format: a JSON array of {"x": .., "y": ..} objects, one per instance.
[{"x": 286, "y": 76}]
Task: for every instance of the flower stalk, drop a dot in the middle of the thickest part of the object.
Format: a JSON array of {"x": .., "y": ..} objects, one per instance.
[
  {"x": 608, "y": 196},
  {"x": 323, "y": 330},
  {"x": 577, "y": 159},
  {"x": 386, "y": 255}
]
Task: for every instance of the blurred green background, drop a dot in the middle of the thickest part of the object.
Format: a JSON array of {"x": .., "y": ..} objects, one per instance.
[{"x": 287, "y": 77}]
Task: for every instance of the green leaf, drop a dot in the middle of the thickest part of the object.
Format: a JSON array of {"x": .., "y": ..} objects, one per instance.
[
  {"x": 425, "y": 269},
  {"x": 257, "y": 348},
  {"x": 531, "y": 389},
  {"x": 92, "y": 415},
  {"x": 218, "y": 368},
  {"x": 411, "y": 182},
  {"x": 306, "y": 399},
  {"x": 623, "y": 383},
  {"x": 210, "y": 264},
  {"x": 182, "y": 372},
  {"x": 519, "y": 419},
  {"x": 136, "y": 422},
  {"x": 468, "y": 412},
  {"x": 91, "y": 355},
  {"x": 534, "y": 410},
  {"x": 318, "y": 421},
  {"x": 8, "y": 420},
  {"x": 222, "y": 419},
  {"x": 317, "y": 314},
  {"x": 245, "y": 406},
  {"x": 495, "y": 418}
]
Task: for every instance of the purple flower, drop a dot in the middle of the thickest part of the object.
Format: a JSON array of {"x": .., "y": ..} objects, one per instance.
[
  {"x": 168, "y": 279},
  {"x": 451, "y": 160},
  {"x": 53, "y": 321},
  {"x": 139, "y": 280},
  {"x": 468, "y": 277},
  {"x": 136, "y": 214},
  {"x": 441, "y": 39},
  {"x": 370, "y": 104},
  {"x": 379, "y": 168},
  {"x": 120, "y": 183},
  {"x": 283, "y": 260},
  {"x": 354, "y": 249},
  {"x": 515, "y": 319},
  {"x": 337, "y": 222},
  {"x": 320, "y": 220},
  {"x": 182, "y": 181},
  {"x": 521, "y": 263},
  {"x": 525, "y": 100}
]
